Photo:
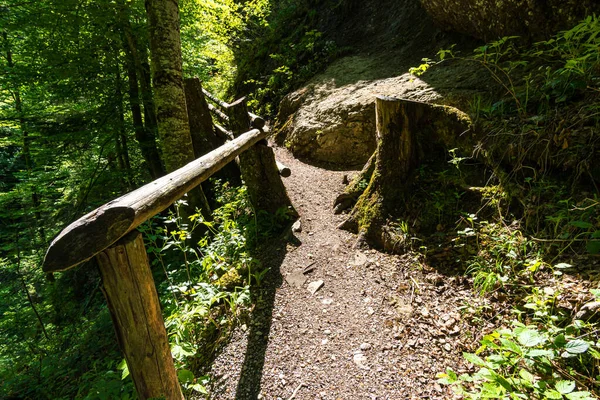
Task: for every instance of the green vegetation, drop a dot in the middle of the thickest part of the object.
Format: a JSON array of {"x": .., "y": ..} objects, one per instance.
[
  {"x": 207, "y": 289},
  {"x": 536, "y": 226},
  {"x": 69, "y": 142},
  {"x": 520, "y": 216}
]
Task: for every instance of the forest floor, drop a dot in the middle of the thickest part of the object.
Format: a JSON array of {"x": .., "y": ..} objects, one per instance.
[{"x": 380, "y": 327}]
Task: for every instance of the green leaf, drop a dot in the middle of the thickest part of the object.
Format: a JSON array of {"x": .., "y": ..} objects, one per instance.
[
  {"x": 473, "y": 359},
  {"x": 503, "y": 382},
  {"x": 124, "y": 369},
  {"x": 199, "y": 388},
  {"x": 540, "y": 353},
  {"x": 447, "y": 378},
  {"x": 512, "y": 346},
  {"x": 576, "y": 347},
  {"x": 527, "y": 378},
  {"x": 560, "y": 341},
  {"x": 564, "y": 387},
  {"x": 579, "y": 396},
  {"x": 593, "y": 246},
  {"x": 552, "y": 394},
  {"x": 530, "y": 338},
  {"x": 582, "y": 224},
  {"x": 185, "y": 376}
]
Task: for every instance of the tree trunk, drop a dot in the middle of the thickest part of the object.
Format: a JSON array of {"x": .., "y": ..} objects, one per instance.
[
  {"x": 356, "y": 187},
  {"x": 35, "y": 198},
  {"x": 133, "y": 302},
  {"x": 258, "y": 166},
  {"x": 201, "y": 125},
  {"x": 144, "y": 135},
  {"x": 171, "y": 110},
  {"x": 121, "y": 138},
  {"x": 396, "y": 156}
]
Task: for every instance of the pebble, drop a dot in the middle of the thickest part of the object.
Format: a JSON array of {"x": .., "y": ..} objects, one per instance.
[
  {"x": 297, "y": 227},
  {"x": 365, "y": 346},
  {"x": 360, "y": 361},
  {"x": 327, "y": 332},
  {"x": 447, "y": 347},
  {"x": 313, "y": 287}
]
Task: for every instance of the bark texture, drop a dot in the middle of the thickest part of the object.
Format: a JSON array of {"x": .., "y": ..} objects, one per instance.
[
  {"x": 129, "y": 289},
  {"x": 169, "y": 95},
  {"x": 356, "y": 187},
  {"x": 144, "y": 133},
  {"x": 201, "y": 125},
  {"x": 396, "y": 157},
  {"x": 203, "y": 132},
  {"x": 406, "y": 131}
]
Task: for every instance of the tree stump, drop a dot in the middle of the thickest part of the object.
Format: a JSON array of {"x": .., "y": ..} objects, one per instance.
[
  {"x": 129, "y": 289},
  {"x": 398, "y": 121},
  {"x": 258, "y": 166},
  {"x": 355, "y": 188}
]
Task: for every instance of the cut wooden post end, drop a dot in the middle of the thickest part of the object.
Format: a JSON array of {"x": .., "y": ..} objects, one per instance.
[{"x": 284, "y": 170}]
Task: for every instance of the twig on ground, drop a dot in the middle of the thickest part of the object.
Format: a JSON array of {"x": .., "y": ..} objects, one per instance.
[{"x": 296, "y": 391}]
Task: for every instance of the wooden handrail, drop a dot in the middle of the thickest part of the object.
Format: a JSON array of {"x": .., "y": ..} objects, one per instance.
[
  {"x": 220, "y": 114},
  {"x": 108, "y": 234},
  {"x": 224, "y": 133},
  {"x": 215, "y": 99},
  {"x": 96, "y": 231},
  {"x": 255, "y": 120}
]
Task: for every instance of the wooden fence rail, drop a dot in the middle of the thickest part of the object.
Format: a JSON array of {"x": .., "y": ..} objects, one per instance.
[{"x": 108, "y": 233}]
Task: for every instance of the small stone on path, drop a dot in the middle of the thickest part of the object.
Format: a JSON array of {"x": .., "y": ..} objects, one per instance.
[
  {"x": 360, "y": 360},
  {"x": 296, "y": 278},
  {"x": 365, "y": 346},
  {"x": 297, "y": 227},
  {"x": 313, "y": 287},
  {"x": 359, "y": 259}
]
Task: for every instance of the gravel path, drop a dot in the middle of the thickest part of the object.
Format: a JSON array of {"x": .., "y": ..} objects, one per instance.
[{"x": 380, "y": 327}]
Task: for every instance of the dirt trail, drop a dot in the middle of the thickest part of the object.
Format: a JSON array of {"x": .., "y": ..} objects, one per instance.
[{"x": 381, "y": 326}]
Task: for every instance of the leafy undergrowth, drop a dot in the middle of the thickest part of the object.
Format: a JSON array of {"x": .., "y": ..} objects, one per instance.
[
  {"x": 206, "y": 287},
  {"x": 529, "y": 235}
]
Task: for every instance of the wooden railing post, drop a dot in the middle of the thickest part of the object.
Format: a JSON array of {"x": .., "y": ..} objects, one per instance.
[
  {"x": 203, "y": 130},
  {"x": 258, "y": 166},
  {"x": 137, "y": 318}
]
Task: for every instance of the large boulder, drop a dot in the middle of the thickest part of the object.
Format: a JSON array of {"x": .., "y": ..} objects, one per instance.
[
  {"x": 492, "y": 19},
  {"x": 336, "y": 125},
  {"x": 332, "y": 119}
]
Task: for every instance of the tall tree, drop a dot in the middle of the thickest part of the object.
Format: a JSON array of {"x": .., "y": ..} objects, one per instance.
[
  {"x": 169, "y": 94},
  {"x": 144, "y": 130}
]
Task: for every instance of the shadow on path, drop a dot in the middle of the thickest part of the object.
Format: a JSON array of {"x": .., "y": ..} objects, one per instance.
[{"x": 271, "y": 256}]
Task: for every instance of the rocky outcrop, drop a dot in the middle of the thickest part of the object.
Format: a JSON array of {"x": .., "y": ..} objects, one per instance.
[
  {"x": 332, "y": 119},
  {"x": 492, "y": 19},
  {"x": 337, "y": 124}
]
